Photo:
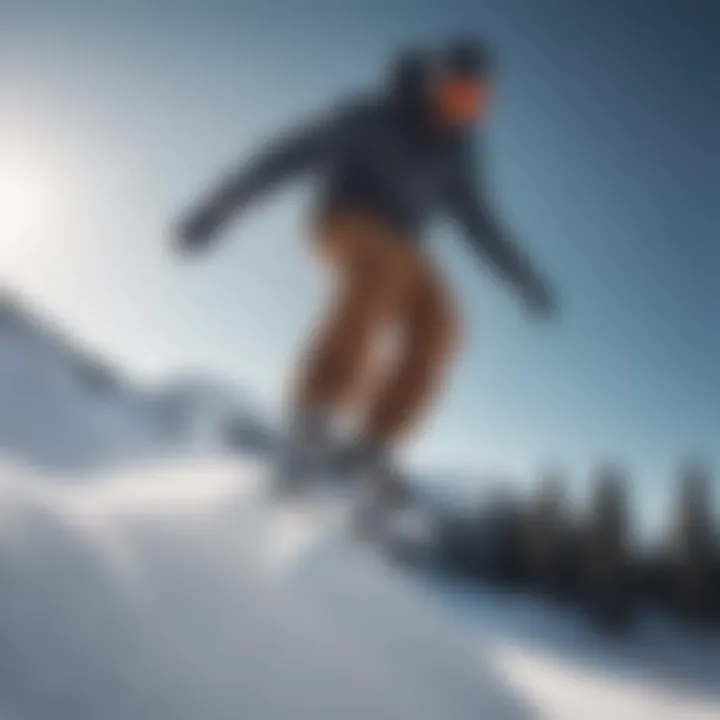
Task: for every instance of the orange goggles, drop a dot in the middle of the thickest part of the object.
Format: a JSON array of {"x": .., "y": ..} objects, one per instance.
[{"x": 462, "y": 100}]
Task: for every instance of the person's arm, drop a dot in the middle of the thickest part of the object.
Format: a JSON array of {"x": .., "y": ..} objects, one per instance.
[
  {"x": 491, "y": 241},
  {"x": 285, "y": 158}
]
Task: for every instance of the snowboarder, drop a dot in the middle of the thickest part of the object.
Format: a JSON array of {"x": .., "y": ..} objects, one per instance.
[{"x": 389, "y": 160}]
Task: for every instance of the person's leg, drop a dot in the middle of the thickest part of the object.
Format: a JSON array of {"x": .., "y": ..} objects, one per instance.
[
  {"x": 372, "y": 283},
  {"x": 428, "y": 338},
  {"x": 431, "y": 335}
]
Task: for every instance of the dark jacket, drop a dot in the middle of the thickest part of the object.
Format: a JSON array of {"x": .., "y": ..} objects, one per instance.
[{"x": 382, "y": 153}]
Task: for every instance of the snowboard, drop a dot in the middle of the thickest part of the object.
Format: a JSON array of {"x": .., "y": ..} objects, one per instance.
[
  {"x": 331, "y": 504},
  {"x": 307, "y": 518}
]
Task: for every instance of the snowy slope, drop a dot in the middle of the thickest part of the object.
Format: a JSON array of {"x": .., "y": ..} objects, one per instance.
[
  {"x": 64, "y": 410},
  {"x": 167, "y": 589},
  {"x": 174, "y": 594}
]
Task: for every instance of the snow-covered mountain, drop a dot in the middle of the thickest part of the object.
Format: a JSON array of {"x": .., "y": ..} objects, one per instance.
[{"x": 64, "y": 409}]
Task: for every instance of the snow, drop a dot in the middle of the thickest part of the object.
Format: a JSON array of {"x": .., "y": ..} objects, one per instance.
[
  {"x": 156, "y": 581},
  {"x": 64, "y": 410},
  {"x": 177, "y": 592}
]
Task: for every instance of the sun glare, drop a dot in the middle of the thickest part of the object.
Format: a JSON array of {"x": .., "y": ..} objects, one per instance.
[{"x": 34, "y": 187}]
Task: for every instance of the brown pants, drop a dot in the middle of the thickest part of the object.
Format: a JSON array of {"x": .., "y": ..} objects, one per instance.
[{"x": 384, "y": 283}]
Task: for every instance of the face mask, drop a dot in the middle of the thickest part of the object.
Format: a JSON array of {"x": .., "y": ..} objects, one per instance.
[{"x": 461, "y": 100}]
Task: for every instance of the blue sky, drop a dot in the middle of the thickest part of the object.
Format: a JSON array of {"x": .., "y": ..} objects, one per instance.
[{"x": 603, "y": 157}]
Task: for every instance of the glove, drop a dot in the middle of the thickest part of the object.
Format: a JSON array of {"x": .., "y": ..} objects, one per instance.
[
  {"x": 196, "y": 229},
  {"x": 540, "y": 299}
]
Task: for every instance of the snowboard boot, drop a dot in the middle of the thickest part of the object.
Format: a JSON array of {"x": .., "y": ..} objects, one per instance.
[
  {"x": 380, "y": 488},
  {"x": 305, "y": 452}
]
